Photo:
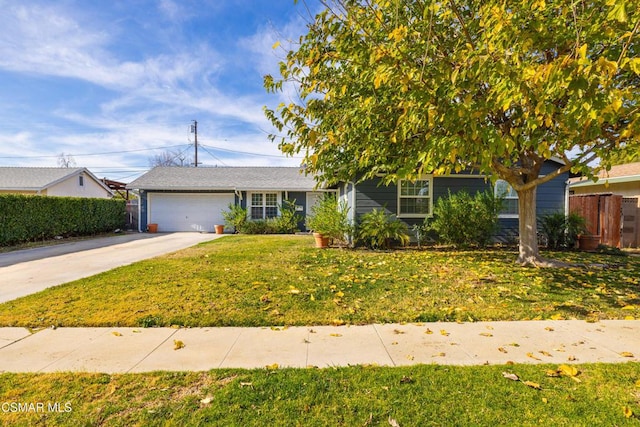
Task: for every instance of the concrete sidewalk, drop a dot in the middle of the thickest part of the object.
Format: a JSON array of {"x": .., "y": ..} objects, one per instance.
[
  {"x": 122, "y": 350},
  {"x": 33, "y": 270}
]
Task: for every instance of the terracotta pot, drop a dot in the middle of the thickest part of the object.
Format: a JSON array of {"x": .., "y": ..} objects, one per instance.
[
  {"x": 321, "y": 241},
  {"x": 588, "y": 242},
  {"x": 219, "y": 229},
  {"x": 152, "y": 228}
]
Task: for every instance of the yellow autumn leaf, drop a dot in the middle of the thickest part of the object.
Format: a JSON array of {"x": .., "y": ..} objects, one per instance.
[
  {"x": 293, "y": 290},
  {"x": 502, "y": 350},
  {"x": 532, "y": 385},
  {"x": 629, "y": 307},
  {"x": 626, "y": 354},
  {"x": 545, "y": 353},
  {"x": 272, "y": 367},
  {"x": 117, "y": 334},
  {"x": 335, "y": 335},
  {"x": 443, "y": 332},
  {"x": 486, "y": 334},
  {"x": 177, "y": 344},
  {"x": 276, "y": 45},
  {"x": 428, "y": 331},
  {"x": 532, "y": 356},
  {"x": 628, "y": 413},
  {"x": 568, "y": 370}
]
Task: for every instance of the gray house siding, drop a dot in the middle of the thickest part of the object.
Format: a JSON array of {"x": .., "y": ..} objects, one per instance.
[{"x": 371, "y": 194}]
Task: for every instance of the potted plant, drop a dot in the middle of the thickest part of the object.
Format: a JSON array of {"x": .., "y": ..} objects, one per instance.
[{"x": 328, "y": 220}]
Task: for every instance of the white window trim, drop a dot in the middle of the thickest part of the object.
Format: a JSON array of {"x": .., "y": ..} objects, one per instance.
[
  {"x": 430, "y": 197},
  {"x": 264, "y": 193},
  {"x": 495, "y": 192}
]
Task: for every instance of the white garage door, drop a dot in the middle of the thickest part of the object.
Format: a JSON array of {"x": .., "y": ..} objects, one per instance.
[{"x": 187, "y": 212}]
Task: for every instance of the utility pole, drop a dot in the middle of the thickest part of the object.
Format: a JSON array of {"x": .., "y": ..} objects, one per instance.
[{"x": 195, "y": 131}]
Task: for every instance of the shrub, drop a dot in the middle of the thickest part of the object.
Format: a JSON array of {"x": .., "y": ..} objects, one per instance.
[
  {"x": 235, "y": 217},
  {"x": 287, "y": 222},
  {"x": 562, "y": 231},
  {"x": 378, "y": 230},
  {"x": 329, "y": 218},
  {"x": 462, "y": 220},
  {"x": 28, "y": 218}
]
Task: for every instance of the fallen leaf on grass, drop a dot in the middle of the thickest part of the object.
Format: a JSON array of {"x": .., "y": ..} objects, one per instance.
[
  {"x": 177, "y": 344},
  {"x": 243, "y": 384},
  {"x": 207, "y": 400},
  {"x": 393, "y": 422},
  {"x": 628, "y": 413},
  {"x": 532, "y": 385},
  {"x": 626, "y": 354},
  {"x": 510, "y": 376},
  {"x": 272, "y": 367},
  {"x": 565, "y": 371}
]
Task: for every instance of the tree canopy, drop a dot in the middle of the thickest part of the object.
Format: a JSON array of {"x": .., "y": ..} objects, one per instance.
[{"x": 411, "y": 87}]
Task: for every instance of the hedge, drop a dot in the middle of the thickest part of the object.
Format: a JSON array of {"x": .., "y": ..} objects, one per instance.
[{"x": 28, "y": 218}]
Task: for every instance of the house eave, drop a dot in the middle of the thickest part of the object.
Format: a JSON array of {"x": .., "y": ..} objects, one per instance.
[{"x": 605, "y": 181}]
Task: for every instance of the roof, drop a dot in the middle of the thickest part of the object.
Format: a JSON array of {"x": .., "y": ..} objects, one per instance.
[
  {"x": 225, "y": 178},
  {"x": 629, "y": 172},
  {"x": 38, "y": 179}
]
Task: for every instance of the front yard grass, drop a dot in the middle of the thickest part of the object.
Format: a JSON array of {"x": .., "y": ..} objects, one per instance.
[
  {"x": 284, "y": 280},
  {"x": 423, "y": 395}
]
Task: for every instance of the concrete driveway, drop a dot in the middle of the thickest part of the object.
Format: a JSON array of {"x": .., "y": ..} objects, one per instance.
[{"x": 29, "y": 271}]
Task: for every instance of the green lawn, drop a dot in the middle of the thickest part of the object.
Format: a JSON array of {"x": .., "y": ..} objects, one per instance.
[
  {"x": 425, "y": 395},
  {"x": 284, "y": 280},
  {"x": 274, "y": 280}
]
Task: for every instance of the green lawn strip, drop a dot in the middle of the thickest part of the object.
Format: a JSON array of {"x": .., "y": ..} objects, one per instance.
[
  {"x": 284, "y": 280},
  {"x": 601, "y": 394}
]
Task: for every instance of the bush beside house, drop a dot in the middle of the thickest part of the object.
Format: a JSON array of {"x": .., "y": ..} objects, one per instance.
[{"x": 28, "y": 218}]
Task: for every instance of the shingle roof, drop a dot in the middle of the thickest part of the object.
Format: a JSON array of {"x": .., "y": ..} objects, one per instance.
[
  {"x": 225, "y": 178},
  {"x": 27, "y": 179},
  {"x": 629, "y": 172}
]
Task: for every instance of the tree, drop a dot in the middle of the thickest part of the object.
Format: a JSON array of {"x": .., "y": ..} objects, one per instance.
[
  {"x": 170, "y": 158},
  {"x": 424, "y": 86},
  {"x": 66, "y": 161}
]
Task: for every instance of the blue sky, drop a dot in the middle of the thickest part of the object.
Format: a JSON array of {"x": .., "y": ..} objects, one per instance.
[{"x": 113, "y": 83}]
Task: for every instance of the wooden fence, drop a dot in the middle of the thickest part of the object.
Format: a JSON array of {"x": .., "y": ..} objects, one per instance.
[{"x": 603, "y": 214}]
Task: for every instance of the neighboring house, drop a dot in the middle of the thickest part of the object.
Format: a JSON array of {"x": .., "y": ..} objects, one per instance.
[
  {"x": 193, "y": 199},
  {"x": 61, "y": 182},
  {"x": 412, "y": 202},
  {"x": 621, "y": 179}
]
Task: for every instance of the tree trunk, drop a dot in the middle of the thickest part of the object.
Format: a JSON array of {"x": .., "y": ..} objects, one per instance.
[{"x": 528, "y": 228}]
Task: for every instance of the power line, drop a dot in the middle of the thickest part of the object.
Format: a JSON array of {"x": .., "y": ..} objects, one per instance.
[
  {"x": 248, "y": 153},
  {"x": 93, "y": 154}
]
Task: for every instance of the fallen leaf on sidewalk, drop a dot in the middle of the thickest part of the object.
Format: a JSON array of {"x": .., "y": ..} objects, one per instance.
[
  {"x": 486, "y": 334},
  {"x": 398, "y": 332},
  {"x": 335, "y": 335},
  {"x": 532, "y": 356},
  {"x": 549, "y": 328},
  {"x": 626, "y": 354},
  {"x": 177, "y": 344},
  {"x": 428, "y": 331},
  {"x": 545, "y": 353},
  {"x": 272, "y": 367},
  {"x": 116, "y": 334},
  {"x": 502, "y": 350},
  {"x": 444, "y": 333}
]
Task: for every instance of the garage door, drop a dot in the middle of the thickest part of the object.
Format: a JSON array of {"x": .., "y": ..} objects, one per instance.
[{"x": 187, "y": 212}]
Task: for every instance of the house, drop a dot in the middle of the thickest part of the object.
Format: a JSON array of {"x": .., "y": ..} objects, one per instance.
[
  {"x": 412, "y": 202},
  {"x": 621, "y": 179},
  {"x": 61, "y": 182},
  {"x": 193, "y": 199}
]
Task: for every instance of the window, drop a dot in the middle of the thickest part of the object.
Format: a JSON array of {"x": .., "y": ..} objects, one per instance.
[
  {"x": 81, "y": 181},
  {"x": 264, "y": 205},
  {"x": 510, "y": 205},
  {"x": 414, "y": 198}
]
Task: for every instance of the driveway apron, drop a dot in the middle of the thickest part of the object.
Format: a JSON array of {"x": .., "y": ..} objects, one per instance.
[{"x": 31, "y": 271}]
